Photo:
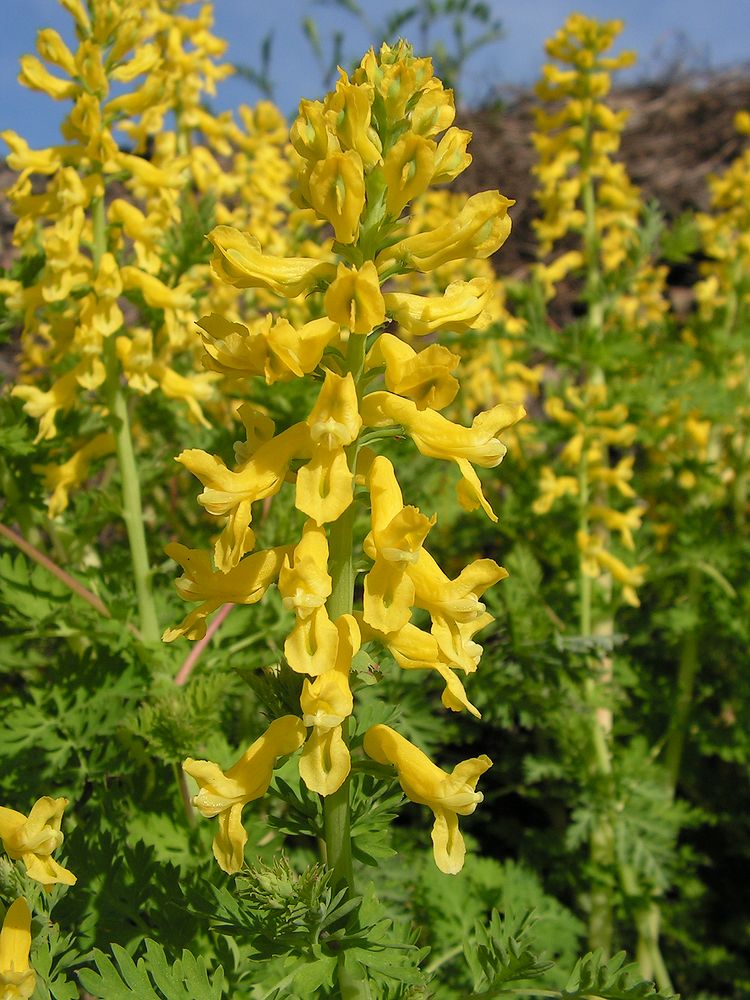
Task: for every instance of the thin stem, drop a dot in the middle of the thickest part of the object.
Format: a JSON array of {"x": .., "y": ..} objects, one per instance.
[
  {"x": 195, "y": 653},
  {"x": 132, "y": 510},
  {"x": 70, "y": 581},
  {"x": 337, "y": 807},
  {"x": 688, "y": 669}
]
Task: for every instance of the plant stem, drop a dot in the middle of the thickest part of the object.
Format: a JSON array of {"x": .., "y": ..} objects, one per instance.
[
  {"x": 337, "y": 807},
  {"x": 601, "y": 840},
  {"x": 687, "y": 671},
  {"x": 132, "y": 510},
  {"x": 70, "y": 581}
]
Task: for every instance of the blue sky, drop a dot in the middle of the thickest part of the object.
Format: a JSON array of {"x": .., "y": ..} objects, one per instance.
[{"x": 715, "y": 33}]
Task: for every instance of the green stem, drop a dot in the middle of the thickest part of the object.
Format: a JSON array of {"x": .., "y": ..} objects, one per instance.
[
  {"x": 602, "y": 838},
  {"x": 132, "y": 510},
  {"x": 337, "y": 807},
  {"x": 688, "y": 669}
]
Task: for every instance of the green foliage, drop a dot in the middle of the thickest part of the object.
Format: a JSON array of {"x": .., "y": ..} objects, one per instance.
[
  {"x": 609, "y": 979},
  {"x": 152, "y": 977},
  {"x": 499, "y": 955}
]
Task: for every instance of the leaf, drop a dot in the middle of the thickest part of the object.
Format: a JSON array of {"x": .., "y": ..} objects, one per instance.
[
  {"x": 498, "y": 953},
  {"x": 186, "y": 979},
  {"x": 610, "y": 980}
]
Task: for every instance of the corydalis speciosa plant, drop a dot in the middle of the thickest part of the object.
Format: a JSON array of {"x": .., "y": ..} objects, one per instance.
[{"x": 379, "y": 140}]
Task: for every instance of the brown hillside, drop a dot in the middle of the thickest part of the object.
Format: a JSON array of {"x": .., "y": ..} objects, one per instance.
[{"x": 676, "y": 135}]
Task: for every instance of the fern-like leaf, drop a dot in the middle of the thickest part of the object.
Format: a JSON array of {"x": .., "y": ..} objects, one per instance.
[{"x": 151, "y": 977}]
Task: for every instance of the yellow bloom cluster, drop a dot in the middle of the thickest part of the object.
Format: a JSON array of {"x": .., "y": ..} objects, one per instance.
[
  {"x": 376, "y": 142},
  {"x": 722, "y": 299},
  {"x": 595, "y": 428},
  {"x": 34, "y": 838},
  {"x": 109, "y": 300},
  {"x": 582, "y": 189},
  {"x": 725, "y": 232},
  {"x": 491, "y": 369}
]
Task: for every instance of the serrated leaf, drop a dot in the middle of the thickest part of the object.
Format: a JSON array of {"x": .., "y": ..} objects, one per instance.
[
  {"x": 186, "y": 979},
  {"x": 609, "y": 980}
]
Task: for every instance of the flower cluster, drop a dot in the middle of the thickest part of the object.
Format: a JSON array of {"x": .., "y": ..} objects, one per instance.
[
  {"x": 32, "y": 839},
  {"x": 112, "y": 299},
  {"x": 582, "y": 189},
  {"x": 374, "y": 144},
  {"x": 595, "y": 428},
  {"x": 725, "y": 231}
]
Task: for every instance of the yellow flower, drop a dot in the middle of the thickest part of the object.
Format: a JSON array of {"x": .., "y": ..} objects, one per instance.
[
  {"x": 337, "y": 192},
  {"x": 413, "y": 649},
  {"x": 155, "y": 292},
  {"x": 233, "y": 493},
  {"x": 325, "y": 483},
  {"x": 60, "y": 479},
  {"x": 36, "y": 76},
  {"x": 454, "y": 605},
  {"x": 334, "y": 421},
  {"x": 273, "y": 349},
  {"x": 425, "y": 377},
  {"x": 245, "y": 583},
  {"x": 596, "y": 559},
  {"x": 407, "y": 169},
  {"x": 17, "y": 978},
  {"x": 451, "y": 158},
  {"x": 325, "y": 761},
  {"x": 304, "y": 583},
  {"x": 239, "y": 260},
  {"x": 350, "y": 108},
  {"x": 354, "y": 299},
  {"x": 44, "y": 406},
  {"x": 394, "y": 544},
  {"x": 479, "y": 229},
  {"x": 434, "y": 111},
  {"x": 438, "y": 437},
  {"x": 457, "y": 310},
  {"x": 33, "y": 839},
  {"x": 553, "y": 487},
  {"x": 225, "y": 794},
  {"x": 308, "y": 133},
  {"x": 51, "y": 47},
  {"x": 447, "y": 795}
]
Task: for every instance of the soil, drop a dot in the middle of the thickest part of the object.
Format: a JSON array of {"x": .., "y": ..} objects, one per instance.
[{"x": 677, "y": 134}]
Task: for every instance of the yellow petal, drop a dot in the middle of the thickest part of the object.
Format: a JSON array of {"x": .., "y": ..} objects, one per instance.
[
  {"x": 354, "y": 299},
  {"x": 15, "y": 943},
  {"x": 311, "y": 647},
  {"x": 448, "y": 845},
  {"x": 337, "y": 192},
  {"x": 229, "y": 842},
  {"x": 479, "y": 229},
  {"x": 325, "y": 486},
  {"x": 326, "y": 701},
  {"x": 239, "y": 260},
  {"x": 325, "y": 761}
]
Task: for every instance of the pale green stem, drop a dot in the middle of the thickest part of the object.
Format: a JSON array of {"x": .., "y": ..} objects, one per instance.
[
  {"x": 132, "y": 510},
  {"x": 647, "y": 920},
  {"x": 336, "y": 807},
  {"x": 602, "y": 838},
  {"x": 601, "y": 841}
]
